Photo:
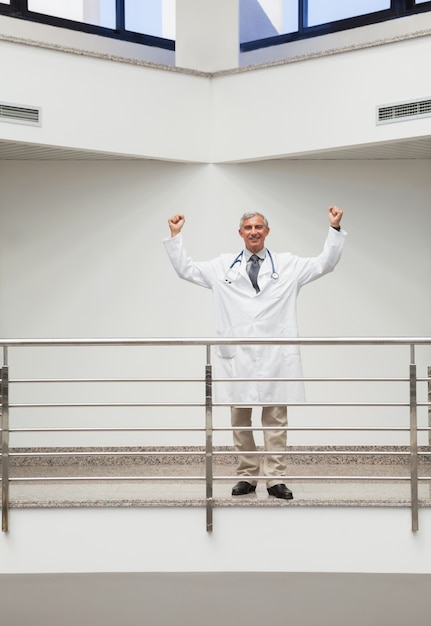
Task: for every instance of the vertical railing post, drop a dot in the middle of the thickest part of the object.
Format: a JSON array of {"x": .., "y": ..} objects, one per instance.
[
  {"x": 209, "y": 440},
  {"x": 413, "y": 442},
  {"x": 429, "y": 405},
  {"x": 5, "y": 441}
]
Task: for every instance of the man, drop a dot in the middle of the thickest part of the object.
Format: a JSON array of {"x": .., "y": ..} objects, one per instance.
[{"x": 255, "y": 295}]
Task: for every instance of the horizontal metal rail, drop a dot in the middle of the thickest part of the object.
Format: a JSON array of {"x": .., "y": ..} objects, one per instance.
[
  {"x": 343, "y": 379},
  {"x": 108, "y": 430},
  {"x": 159, "y": 453},
  {"x": 216, "y": 341},
  {"x": 104, "y": 380},
  {"x": 201, "y": 380},
  {"x": 92, "y": 405},
  {"x": 216, "y": 429},
  {"x": 83, "y": 405},
  {"x": 78, "y": 453},
  {"x": 329, "y": 477}
]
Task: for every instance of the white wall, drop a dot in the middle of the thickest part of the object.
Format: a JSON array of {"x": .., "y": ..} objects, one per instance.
[
  {"x": 76, "y": 236},
  {"x": 109, "y": 106},
  {"x": 207, "y": 34},
  {"x": 318, "y": 104},
  {"x": 100, "y": 221},
  {"x": 175, "y": 540}
]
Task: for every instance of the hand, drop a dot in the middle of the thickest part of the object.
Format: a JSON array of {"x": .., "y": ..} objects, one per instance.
[
  {"x": 176, "y": 222},
  {"x": 335, "y": 214}
]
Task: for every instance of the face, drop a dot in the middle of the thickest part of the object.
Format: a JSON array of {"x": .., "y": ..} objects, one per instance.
[{"x": 254, "y": 233}]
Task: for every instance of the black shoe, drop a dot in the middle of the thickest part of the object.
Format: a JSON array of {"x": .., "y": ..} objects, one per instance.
[
  {"x": 280, "y": 491},
  {"x": 242, "y": 488}
]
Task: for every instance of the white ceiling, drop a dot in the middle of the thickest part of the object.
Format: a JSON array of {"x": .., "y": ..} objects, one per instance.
[
  {"x": 415, "y": 148},
  {"x": 17, "y": 151}
]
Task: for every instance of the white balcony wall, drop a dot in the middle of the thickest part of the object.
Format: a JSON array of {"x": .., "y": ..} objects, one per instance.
[
  {"x": 97, "y": 104},
  {"x": 318, "y": 104},
  {"x": 321, "y": 540}
]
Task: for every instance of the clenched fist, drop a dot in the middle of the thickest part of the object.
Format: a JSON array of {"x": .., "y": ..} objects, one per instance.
[
  {"x": 335, "y": 214},
  {"x": 176, "y": 222}
]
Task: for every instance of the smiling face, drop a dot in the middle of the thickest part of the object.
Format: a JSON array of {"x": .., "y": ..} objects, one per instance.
[{"x": 254, "y": 233}]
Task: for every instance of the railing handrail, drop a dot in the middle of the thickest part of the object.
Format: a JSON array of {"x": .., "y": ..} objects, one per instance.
[{"x": 214, "y": 341}]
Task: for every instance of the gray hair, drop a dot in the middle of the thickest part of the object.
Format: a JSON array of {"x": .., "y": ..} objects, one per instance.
[{"x": 248, "y": 216}]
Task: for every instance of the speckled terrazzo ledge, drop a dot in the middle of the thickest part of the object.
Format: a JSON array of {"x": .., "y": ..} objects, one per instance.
[
  {"x": 317, "y": 54},
  {"x": 101, "y": 55},
  {"x": 223, "y": 455},
  {"x": 183, "y": 70},
  {"x": 310, "y": 494}
]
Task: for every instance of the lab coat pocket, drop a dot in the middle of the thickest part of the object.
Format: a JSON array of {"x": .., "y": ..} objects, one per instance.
[{"x": 225, "y": 351}]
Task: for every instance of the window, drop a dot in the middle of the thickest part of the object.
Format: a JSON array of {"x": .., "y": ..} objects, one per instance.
[
  {"x": 152, "y": 17},
  {"x": 331, "y": 10},
  {"x": 267, "y": 18},
  {"x": 271, "y": 22},
  {"x": 262, "y": 22},
  {"x": 101, "y": 12},
  {"x": 150, "y": 22}
]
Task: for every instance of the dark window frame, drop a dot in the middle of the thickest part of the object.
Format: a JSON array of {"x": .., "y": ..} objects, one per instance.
[
  {"x": 398, "y": 8},
  {"x": 19, "y": 9}
]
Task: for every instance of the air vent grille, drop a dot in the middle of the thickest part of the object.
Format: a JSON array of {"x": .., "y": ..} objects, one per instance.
[
  {"x": 19, "y": 114},
  {"x": 403, "y": 111}
]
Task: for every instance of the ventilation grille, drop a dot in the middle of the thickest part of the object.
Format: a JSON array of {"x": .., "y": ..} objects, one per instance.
[
  {"x": 19, "y": 114},
  {"x": 403, "y": 111}
]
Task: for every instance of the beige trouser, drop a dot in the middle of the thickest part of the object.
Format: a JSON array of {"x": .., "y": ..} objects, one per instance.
[{"x": 274, "y": 440}]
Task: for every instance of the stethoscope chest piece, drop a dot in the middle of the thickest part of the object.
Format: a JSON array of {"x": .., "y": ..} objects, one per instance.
[{"x": 231, "y": 276}]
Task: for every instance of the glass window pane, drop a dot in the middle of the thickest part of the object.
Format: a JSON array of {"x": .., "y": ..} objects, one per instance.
[
  {"x": 96, "y": 12},
  {"x": 421, "y": 1},
  {"x": 4, "y": 1},
  {"x": 259, "y": 19},
  {"x": 152, "y": 17},
  {"x": 323, "y": 11}
]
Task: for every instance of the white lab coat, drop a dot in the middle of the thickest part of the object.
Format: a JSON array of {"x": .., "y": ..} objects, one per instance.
[{"x": 241, "y": 312}]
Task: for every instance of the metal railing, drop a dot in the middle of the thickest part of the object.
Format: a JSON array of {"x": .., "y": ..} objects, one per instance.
[{"x": 410, "y": 403}]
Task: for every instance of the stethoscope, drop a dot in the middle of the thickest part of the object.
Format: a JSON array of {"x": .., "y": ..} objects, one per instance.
[{"x": 233, "y": 274}]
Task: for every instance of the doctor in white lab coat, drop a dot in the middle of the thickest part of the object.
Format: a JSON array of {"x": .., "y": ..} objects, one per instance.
[{"x": 266, "y": 308}]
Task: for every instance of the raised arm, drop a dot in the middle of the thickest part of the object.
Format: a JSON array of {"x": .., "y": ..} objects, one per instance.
[
  {"x": 199, "y": 273},
  {"x": 308, "y": 269}
]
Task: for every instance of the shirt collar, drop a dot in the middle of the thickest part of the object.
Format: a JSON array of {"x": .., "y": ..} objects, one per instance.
[{"x": 261, "y": 254}]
